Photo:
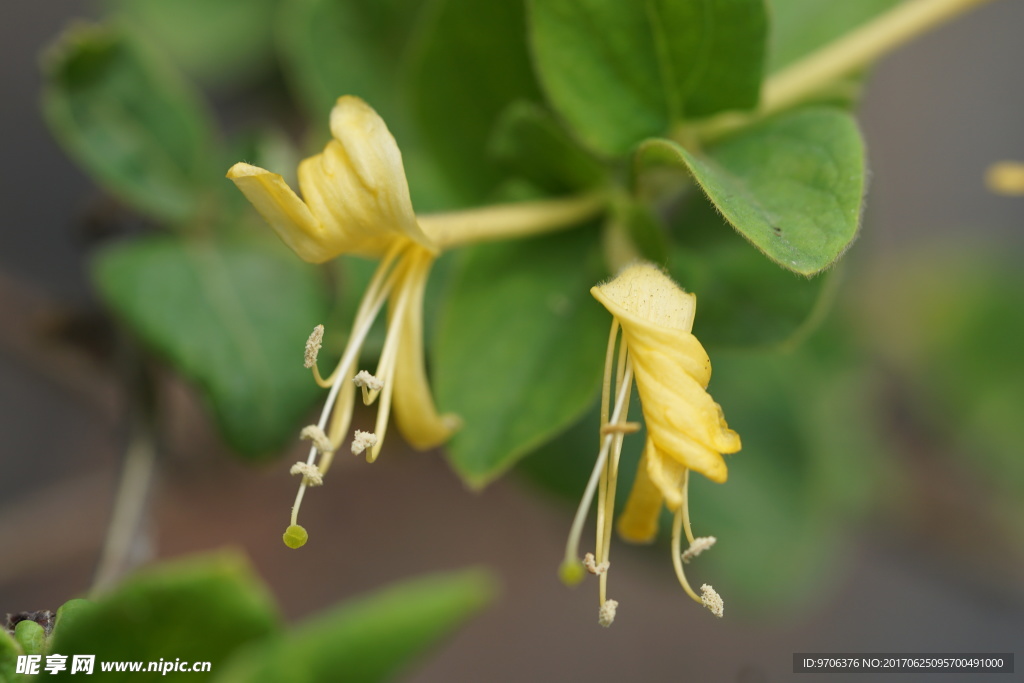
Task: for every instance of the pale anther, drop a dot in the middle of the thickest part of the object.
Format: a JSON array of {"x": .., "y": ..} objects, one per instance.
[
  {"x": 712, "y": 600},
  {"x": 607, "y": 614},
  {"x": 362, "y": 440},
  {"x": 593, "y": 567},
  {"x": 620, "y": 428},
  {"x": 311, "y": 475},
  {"x": 698, "y": 546},
  {"x": 318, "y": 437},
  {"x": 371, "y": 382},
  {"x": 313, "y": 345}
]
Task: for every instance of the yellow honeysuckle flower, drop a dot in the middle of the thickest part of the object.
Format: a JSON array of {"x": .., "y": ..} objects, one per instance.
[
  {"x": 686, "y": 429},
  {"x": 355, "y": 200},
  {"x": 355, "y": 194}
]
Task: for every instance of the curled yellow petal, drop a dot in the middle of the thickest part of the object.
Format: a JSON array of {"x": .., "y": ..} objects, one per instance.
[
  {"x": 288, "y": 215},
  {"x": 415, "y": 413},
  {"x": 671, "y": 368},
  {"x": 638, "y": 522},
  {"x": 355, "y": 197}
]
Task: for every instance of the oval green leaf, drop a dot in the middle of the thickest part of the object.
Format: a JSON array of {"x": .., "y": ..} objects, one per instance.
[
  {"x": 619, "y": 72},
  {"x": 792, "y": 185},
  {"x": 520, "y": 347},
  {"x": 471, "y": 62},
  {"x": 231, "y": 317},
  {"x": 129, "y": 120},
  {"x": 199, "y": 610}
]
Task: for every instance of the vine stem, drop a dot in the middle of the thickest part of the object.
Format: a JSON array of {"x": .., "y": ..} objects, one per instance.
[
  {"x": 843, "y": 57},
  {"x": 129, "y": 509}
]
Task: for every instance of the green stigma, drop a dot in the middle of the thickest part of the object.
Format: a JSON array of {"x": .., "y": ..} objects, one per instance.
[
  {"x": 571, "y": 572},
  {"x": 295, "y": 536}
]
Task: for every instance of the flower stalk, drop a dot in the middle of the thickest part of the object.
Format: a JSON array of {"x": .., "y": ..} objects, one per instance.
[{"x": 844, "y": 57}]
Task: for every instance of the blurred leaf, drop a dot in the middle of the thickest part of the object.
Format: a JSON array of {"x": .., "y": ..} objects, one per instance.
[
  {"x": 369, "y": 639},
  {"x": 230, "y": 316},
  {"x": 776, "y": 518},
  {"x": 531, "y": 143},
  {"x": 520, "y": 348},
  {"x": 792, "y": 185},
  {"x": 621, "y": 72},
  {"x": 200, "y": 609},
  {"x": 68, "y": 614},
  {"x": 637, "y": 222},
  {"x": 950, "y": 320},
  {"x": 215, "y": 41},
  {"x": 471, "y": 62},
  {"x": 345, "y": 47},
  {"x": 744, "y": 300},
  {"x": 129, "y": 120},
  {"x": 9, "y": 651},
  {"x": 801, "y": 26}
]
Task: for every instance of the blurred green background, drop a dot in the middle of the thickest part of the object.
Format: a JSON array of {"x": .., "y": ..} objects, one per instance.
[{"x": 878, "y": 504}]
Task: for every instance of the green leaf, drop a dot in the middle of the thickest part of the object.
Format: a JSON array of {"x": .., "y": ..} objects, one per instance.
[
  {"x": 792, "y": 185},
  {"x": 520, "y": 348},
  {"x": 470, "y": 64},
  {"x": 68, "y": 613},
  {"x": 129, "y": 120},
  {"x": 216, "y": 41},
  {"x": 743, "y": 299},
  {"x": 9, "y": 651},
  {"x": 369, "y": 639},
  {"x": 800, "y": 27},
  {"x": 529, "y": 142},
  {"x": 332, "y": 48},
  {"x": 31, "y": 636},
  {"x": 948, "y": 321},
  {"x": 200, "y": 610},
  {"x": 621, "y": 72},
  {"x": 342, "y": 47},
  {"x": 232, "y": 317}
]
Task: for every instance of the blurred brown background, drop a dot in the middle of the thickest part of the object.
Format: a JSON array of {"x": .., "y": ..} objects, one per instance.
[{"x": 936, "y": 114}]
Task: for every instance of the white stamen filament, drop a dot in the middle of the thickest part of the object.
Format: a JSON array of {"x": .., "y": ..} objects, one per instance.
[
  {"x": 573, "y": 543},
  {"x": 606, "y": 502},
  {"x": 682, "y": 518},
  {"x": 376, "y": 294}
]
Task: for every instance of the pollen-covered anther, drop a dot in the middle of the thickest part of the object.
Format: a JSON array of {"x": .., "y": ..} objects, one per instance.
[
  {"x": 363, "y": 440},
  {"x": 698, "y": 546},
  {"x": 311, "y": 474},
  {"x": 318, "y": 437},
  {"x": 607, "y": 614},
  {"x": 313, "y": 344},
  {"x": 712, "y": 600},
  {"x": 593, "y": 567},
  {"x": 620, "y": 428},
  {"x": 368, "y": 381}
]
